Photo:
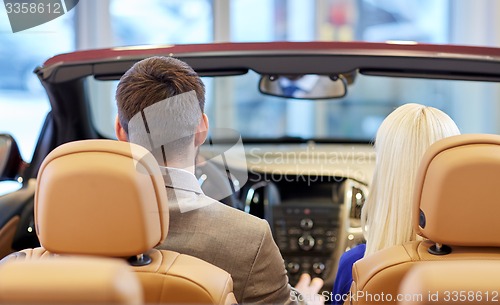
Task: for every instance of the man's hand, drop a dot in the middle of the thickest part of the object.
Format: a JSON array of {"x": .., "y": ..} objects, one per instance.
[{"x": 309, "y": 289}]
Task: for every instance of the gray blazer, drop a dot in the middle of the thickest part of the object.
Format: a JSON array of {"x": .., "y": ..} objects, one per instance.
[{"x": 235, "y": 241}]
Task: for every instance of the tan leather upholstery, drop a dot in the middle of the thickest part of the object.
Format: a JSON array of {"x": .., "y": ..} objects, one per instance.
[
  {"x": 75, "y": 280},
  {"x": 100, "y": 197},
  {"x": 107, "y": 198},
  {"x": 383, "y": 271},
  {"x": 170, "y": 278},
  {"x": 465, "y": 282},
  {"x": 187, "y": 279},
  {"x": 456, "y": 190}
]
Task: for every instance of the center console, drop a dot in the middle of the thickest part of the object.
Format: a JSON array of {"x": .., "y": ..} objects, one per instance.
[
  {"x": 306, "y": 235},
  {"x": 312, "y": 223}
]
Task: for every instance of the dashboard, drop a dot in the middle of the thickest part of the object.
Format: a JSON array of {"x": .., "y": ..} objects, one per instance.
[
  {"x": 312, "y": 223},
  {"x": 312, "y": 203}
]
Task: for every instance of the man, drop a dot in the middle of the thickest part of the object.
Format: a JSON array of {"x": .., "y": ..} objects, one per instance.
[{"x": 160, "y": 106}]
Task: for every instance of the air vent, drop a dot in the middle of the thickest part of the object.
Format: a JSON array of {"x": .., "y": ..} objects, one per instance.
[{"x": 357, "y": 202}]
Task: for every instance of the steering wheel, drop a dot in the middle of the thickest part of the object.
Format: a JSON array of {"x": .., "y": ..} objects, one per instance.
[{"x": 217, "y": 184}]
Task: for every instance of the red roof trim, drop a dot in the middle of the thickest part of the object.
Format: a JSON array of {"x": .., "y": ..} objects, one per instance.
[{"x": 99, "y": 54}]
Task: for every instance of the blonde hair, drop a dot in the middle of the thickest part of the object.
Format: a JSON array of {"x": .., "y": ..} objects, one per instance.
[{"x": 401, "y": 141}]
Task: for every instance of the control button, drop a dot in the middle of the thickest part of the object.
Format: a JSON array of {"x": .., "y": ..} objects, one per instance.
[
  {"x": 332, "y": 239},
  {"x": 306, "y": 223},
  {"x": 331, "y": 233},
  {"x": 320, "y": 244},
  {"x": 318, "y": 231},
  {"x": 306, "y": 242},
  {"x": 293, "y": 267},
  {"x": 318, "y": 268}
]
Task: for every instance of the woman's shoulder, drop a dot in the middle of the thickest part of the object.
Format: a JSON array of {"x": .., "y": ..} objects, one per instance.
[
  {"x": 352, "y": 255},
  {"x": 343, "y": 279}
]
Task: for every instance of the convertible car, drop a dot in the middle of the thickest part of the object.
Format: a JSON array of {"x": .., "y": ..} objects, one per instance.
[{"x": 292, "y": 128}]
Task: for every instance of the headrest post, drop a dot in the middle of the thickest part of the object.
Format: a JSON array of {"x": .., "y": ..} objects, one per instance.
[
  {"x": 139, "y": 260},
  {"x": 439, "y": 249}
]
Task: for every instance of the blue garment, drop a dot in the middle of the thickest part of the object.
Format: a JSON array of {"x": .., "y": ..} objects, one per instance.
[{"x": 343, "y": 280}]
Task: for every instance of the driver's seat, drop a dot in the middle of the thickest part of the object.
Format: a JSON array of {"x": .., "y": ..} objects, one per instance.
[{"x": 107, "y": 198}]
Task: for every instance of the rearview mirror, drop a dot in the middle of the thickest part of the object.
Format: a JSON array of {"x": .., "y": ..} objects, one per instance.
[
  {"x": 10, "y": 158},
  {"x": 308, "y": 86}
]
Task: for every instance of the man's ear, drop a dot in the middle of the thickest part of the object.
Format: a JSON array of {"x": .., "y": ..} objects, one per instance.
[
  {"x": 201, "y": 131},
  {"x": 120, "y": 133}
]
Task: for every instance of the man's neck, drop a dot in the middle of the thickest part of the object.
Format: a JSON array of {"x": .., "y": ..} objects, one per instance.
[
  {"x": 184, "y": 160},
  {"x": 187, "y": 166}
]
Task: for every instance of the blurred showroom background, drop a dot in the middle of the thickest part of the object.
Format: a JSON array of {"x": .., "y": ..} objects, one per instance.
[{"x": 110, "y": 23}]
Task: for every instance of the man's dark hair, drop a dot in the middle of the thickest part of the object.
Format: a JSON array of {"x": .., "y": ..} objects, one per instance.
[{"x": 152, "y": 80}]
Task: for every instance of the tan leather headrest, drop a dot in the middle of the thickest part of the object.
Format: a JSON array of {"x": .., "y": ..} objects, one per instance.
[
  {"x": 457, "y": 193},
  {"x": 69, "y": 280},
  {"x": 100, "y": 197},
  {"x": 446, "y": 282}
]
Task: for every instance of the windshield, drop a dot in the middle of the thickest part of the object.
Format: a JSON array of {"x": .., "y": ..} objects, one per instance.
[{"x": 235, "y": 102}]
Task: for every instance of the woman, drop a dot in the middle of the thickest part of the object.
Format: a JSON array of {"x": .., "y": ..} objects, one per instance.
[{"x": 386, "y": 218}]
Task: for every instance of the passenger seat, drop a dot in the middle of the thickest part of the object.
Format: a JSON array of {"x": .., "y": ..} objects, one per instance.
[
  {"x": 456, "y": 207},
  {"x": 448, "y": 282}
]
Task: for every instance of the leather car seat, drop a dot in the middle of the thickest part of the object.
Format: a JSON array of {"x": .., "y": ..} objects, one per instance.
[
  {"x": 69, "y": 280},
  {"x": 457, "y": 281},
  {"x": 107, "y": 198},
  {"x": 455, "y": 207}
]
